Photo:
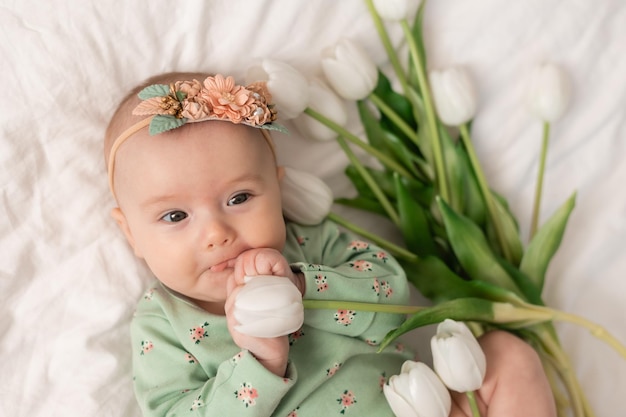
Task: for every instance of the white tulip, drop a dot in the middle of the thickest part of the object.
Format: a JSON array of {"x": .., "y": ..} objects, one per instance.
[
  {"x": 417, "y": 392},
  {"x": 454, "y": 95},
  {"x": 289, "y": 88},
  {"x": 268, "y": 306},
  {"x": 457, "y": 357},
  {"x": 349, "y": 70},
  {"x": 306, "y": 198},
  {"x": 549, "y": 92},
  {"x": 324, "y": 101},
  {"x": 393, "y": 10}
]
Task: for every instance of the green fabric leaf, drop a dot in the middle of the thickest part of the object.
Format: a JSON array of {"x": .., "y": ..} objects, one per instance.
[
  {"x": 154, "y": 90},
  {"x": 545, "y": 243},
  {"x": 162, "y": 123}
]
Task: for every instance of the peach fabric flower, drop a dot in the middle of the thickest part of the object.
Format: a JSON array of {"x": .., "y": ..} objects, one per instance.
[{"x": 228, "y": 100}]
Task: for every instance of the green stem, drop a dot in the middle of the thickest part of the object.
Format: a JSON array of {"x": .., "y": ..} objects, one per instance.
[
  {"x": 384, "y": 159},
  {"x": 358, "y": 306},
  {"x": 395, "y": 250},
  {"x": 539, "y": 186},
  {"x": 391, "y": 52},
  {"x": 369, "y": 180},
  {"x": 430, "y": 112},
  {"x": 395, "y": 118},
  {"x": 595, "y": 329},
  {"x": 471, "y": 397},
  {"x": 579, "y": 405},
  {"x": 485, "y": 191}
]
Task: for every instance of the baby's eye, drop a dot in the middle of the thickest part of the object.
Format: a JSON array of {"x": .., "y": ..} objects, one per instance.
[
  {"x": 174, "y": 216},
  {"x": 238, "y": 199}
]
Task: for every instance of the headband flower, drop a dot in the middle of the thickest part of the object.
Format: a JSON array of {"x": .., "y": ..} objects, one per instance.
[{"x": 217, "y": 98}]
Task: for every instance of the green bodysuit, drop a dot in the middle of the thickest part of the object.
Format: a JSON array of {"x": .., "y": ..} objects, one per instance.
[{"x": 185, "y": 362}]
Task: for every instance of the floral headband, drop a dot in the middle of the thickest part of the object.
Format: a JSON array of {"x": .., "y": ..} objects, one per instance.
[{"x": 217, "y": 98}]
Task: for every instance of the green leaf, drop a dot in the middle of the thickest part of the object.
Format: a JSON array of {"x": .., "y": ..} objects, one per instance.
[
  {"x": 473, "y": 251},
  {"x": 434, "y": 279},
  {"x": 462, "y": 309},
  {"x": 162, "y": 123},
  {"x": 510, "y": 230},
  {"x": 400, "y": 104},
  {"x": 154, "y": 90},
  {"x": 473, "y": 203},
  {"x": 455, "y": 169},
  {"x": 362, "y": 203},
  {"x": 413, "y": 222},
  {"x": 545, "y": 243},
  {"x": 384, "y": 179}
]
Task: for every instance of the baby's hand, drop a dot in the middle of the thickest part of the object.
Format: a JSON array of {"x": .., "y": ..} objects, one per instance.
[
  {"x": 272, "y": 352},
  {"x": 265, "y": 261}
]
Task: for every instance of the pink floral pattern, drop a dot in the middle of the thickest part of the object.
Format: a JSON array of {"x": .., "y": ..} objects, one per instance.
[
  {"x": 294, "y": 413},
  {"x": 321, "y": 282},
  {"x": 361, "y": 265},
  {"x": 149, "y": 294},
  {"x": 199, "y": 332},
  {"x": 358, "y": 245},
  {"x": 382, "y": 256},
  {"x": 189, "y": 358},
  {"x": 333, "y": 369},
  {"x": 197, "y": 403},
  {"x": 345, "y": 317},
  {"x": 295, "y": 336},
  {"x": 146, "y": 347},
  {"x": 247, "y": 394},
  {"x": 302, "y": 240},
  {"x": 376, "y": 286},
  {"x": 386, "y": 288},
  {"x": 346, "y": 400}
]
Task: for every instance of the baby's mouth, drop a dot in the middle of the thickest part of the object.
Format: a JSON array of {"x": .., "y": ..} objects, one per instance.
[{"x": 222, "y": 265}]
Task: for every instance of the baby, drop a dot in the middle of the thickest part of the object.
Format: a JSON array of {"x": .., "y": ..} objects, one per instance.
[{"x": 198, "y": 194}]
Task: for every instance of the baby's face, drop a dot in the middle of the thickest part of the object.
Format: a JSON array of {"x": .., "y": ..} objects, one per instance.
[{"x": 193, "y": 199}]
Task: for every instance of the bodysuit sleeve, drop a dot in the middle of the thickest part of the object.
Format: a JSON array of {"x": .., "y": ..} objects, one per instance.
[
  {"x": 340, "y": 266},
  {"x": 183, "y": 365}
]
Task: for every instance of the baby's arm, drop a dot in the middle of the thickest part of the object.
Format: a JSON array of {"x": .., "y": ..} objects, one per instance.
[
  {"x": 173, "y": 377},
  {"x": 339, "y": 266}
]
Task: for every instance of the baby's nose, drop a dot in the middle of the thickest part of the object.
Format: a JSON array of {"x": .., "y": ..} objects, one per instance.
[{"x": 218, "y": 233}]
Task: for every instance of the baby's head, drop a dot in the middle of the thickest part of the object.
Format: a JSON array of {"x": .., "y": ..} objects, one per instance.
[{"x": 193, "y": 198}]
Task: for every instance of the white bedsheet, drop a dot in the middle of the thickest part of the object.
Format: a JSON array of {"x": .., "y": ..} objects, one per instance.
[{"x": 68, "y": 282}]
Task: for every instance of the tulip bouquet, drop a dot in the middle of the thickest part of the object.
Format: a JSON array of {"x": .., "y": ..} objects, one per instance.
[{"x": 462, "y": 247}]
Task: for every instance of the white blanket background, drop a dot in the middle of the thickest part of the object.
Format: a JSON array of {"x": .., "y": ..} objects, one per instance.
[{"x": 68, "y": 283}]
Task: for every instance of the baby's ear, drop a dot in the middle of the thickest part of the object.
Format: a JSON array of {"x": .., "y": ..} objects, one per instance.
[{"x": 121, "y": 221}]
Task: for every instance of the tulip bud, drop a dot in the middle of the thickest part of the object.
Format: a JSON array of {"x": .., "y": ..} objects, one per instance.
[
  {"x": 549, "y": 92},
  {"x": 324, "y": 101},
  {"x": 457, "y": 357},
  {"x": 393, "y": 10},
  {"x": 454, "y": 95},
  {"x": 417, "y": 392},
  {"x": 306, "y": 199},
  {"x": 287, "y": 85},
  {"x": 349, "y": 70},
  {"x": 268, "y": 306}
]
